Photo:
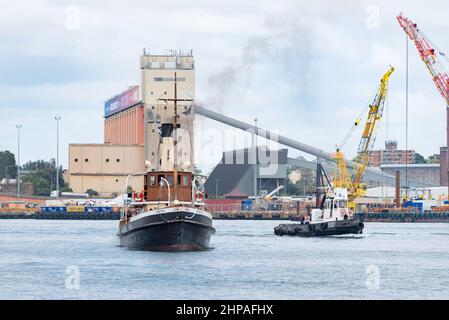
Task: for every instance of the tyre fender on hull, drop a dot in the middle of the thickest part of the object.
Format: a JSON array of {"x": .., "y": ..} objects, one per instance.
[{"x": 311, "y": 228}]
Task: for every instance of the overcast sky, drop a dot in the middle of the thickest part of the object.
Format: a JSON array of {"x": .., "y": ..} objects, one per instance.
[{"x": 304, "y": 68}]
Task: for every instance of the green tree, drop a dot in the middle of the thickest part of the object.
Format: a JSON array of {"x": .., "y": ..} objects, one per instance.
[
  {"x": 419, "y": 158},
  {"x": 41, "y": 186},
  {"x": 65, "y": 188},
  {"x": 42, "y": 174},
  {"x": 7, "y": 165},
  {"x": 306, "y": 185},
  {"x": 435, "y": 158}
]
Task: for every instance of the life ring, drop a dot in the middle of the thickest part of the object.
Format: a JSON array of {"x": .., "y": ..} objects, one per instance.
[
  {"x": 138, "y": 196},
  {"x": 199, "y": 196}
]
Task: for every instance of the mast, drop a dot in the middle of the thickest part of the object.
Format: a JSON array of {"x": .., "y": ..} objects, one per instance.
[
  {"x": 175, "y": 125},
  {"x": 175, "y": 142}
]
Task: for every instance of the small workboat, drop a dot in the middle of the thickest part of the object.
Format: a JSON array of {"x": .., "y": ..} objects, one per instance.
[{"x": 331, "y": 218}]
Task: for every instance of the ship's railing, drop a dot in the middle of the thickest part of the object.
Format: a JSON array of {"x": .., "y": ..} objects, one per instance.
[
  {"x": 136, "y": 207},
  {"x": 124, "y": 215}
]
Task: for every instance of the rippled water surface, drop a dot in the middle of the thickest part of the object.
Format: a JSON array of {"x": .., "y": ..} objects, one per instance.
[{"x": 247, "y": 261}]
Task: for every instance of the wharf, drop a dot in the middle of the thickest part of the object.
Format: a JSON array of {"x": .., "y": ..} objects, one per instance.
[
  {"x": 254, "y": 215},
  {"x": 399, "y": 217},
  {"x": 244, "y": 215},
  {"x": 63, "y": 215},
  {"x": 427, "y": 217}
]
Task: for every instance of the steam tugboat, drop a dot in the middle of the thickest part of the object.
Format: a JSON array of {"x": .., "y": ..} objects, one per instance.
[
  {"x": 169, "y": 214},
  {"x": 155, "y": 222}
]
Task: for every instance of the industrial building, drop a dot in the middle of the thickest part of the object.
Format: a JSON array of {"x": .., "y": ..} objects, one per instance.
[
  {"x": 391, "y": 155},
  {"x": 428, "y": 173},
  {"x": 124, "y": 118},
  {"x": 127, "y": 144},
  {"x": 234, "y": 176},
  {"x": 386, "y": 196},
  {"x": 158, "y": 94},
  {"x": 104, "y": 167}
]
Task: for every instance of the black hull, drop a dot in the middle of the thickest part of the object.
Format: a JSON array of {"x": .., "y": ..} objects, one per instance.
[
  {"x": 332, "y": 228},
  {"x": 168, "y": 231}
]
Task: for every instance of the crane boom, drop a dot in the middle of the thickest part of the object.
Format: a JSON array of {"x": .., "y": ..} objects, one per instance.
[
  {"x": 428, "y": 54},
  {"x": 342, "y": 178},
  {"x": 269, "y": 196},
  {"x": 368, "y": 136}
]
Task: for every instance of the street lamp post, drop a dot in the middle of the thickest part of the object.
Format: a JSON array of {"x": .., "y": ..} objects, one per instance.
[
  {"x": 18, "y": 126},
  {"x": 57, "y": 118},
  {"x": 255, "y": 158}
]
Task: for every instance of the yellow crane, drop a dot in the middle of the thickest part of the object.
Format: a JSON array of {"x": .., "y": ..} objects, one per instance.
[{"x": 342, "y": 178}]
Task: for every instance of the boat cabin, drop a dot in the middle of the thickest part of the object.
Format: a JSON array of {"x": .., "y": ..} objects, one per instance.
[
  {"x": 335, "y": 207},
  {"x": 168, "y": 186}
]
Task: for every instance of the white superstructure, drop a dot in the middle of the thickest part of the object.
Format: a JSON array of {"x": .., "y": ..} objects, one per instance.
[{"x": 335, "y": 207}]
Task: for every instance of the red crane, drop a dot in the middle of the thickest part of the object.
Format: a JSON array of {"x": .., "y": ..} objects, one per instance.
[{"x": 431, "y": 56}]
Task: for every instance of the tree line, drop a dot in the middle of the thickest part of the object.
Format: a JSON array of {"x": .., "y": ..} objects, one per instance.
[
  {"x": 435, "y": 158},
  {"x": 40, "y": 173}
]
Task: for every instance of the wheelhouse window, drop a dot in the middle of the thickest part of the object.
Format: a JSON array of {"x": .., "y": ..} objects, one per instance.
[
  {"x": 170, "y": 180},
  {"x": 185, "y": 181},
  {"x": 159, "y": 180},
  {"x": 152, "y": 180}
]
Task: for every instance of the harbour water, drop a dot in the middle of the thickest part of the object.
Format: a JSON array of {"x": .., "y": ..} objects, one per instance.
[{"x": 47, "y": 259}]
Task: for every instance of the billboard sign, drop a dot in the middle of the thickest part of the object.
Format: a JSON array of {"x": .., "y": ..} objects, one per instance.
[{"x": 121, "y": 101}]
